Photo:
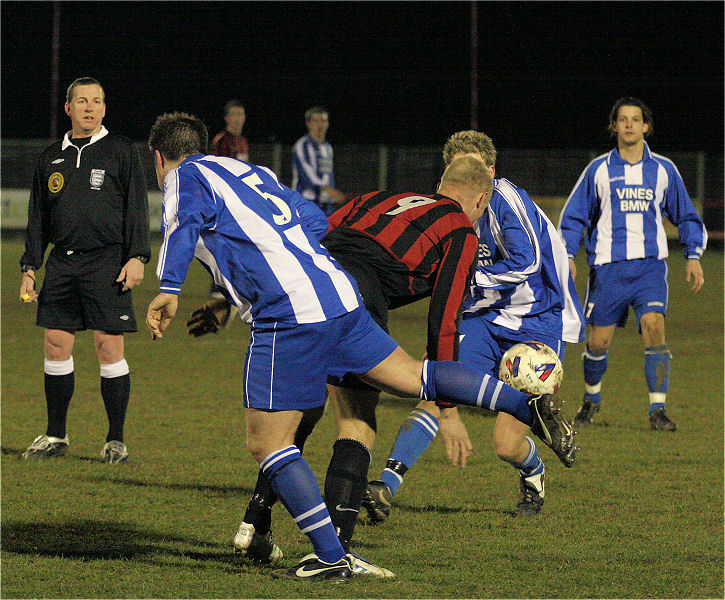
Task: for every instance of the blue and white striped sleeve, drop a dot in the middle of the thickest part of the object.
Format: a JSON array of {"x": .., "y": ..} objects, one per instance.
[
  {"x": 310, "y": 214},
  {"x": 185, "y": 209},
  {"x": 576, "y": 215},
  {"x": 679, "y": 209},
  {"x": 521, "y": 249}
]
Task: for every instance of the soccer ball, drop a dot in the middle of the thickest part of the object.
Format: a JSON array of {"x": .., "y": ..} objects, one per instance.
[{"x": 531, "y": 367}]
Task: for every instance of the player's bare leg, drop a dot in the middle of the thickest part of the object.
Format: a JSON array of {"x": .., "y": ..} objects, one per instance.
[
  {"x": 511, "y": 445},
  {"x": 269, "y": 431}
]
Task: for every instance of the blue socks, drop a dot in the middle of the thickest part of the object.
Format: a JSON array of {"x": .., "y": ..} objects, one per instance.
[
  {"x": 296, "y": 486},
  {"x": 595, "y": 365},
  {"x": 532, "y": 464},
  {"x": 450, "y": 381},
  {"x": 657, "y": 372},
  {"x": 414, "y": 436}
]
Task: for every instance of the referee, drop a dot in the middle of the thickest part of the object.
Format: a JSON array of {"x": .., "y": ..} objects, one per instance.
[{"x": 89, "y": 200}]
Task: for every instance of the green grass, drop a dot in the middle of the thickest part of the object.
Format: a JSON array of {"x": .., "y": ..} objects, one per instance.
[{"x": 640, "y": 514}]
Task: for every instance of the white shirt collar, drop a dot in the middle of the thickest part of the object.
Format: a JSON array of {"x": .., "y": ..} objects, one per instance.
[{"x": 102, "y": 132}]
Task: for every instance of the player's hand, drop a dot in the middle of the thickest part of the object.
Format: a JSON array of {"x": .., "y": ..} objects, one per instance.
[
  {"x": 131, "y": 274},
  {"x": 337, "y": 196},
  {"x": 693, "y": 271},
  {"x": 209, "y": 318},
  {"x": 160, "y": 312},
  {"x": 27, "y": 288},
  {"x": 572, "y": 268},
  {"x": 455, "y": 435}
]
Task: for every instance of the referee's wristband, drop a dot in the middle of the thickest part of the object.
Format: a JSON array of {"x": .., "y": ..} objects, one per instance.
[
  {"x": 143, "y": 259},
  {"x": 26, "y": 268}
]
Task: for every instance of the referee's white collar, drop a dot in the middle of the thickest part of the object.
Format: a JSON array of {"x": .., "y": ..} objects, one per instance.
[{"x": 102, "y": 132}]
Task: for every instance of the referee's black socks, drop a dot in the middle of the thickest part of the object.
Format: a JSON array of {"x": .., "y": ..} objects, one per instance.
[
  {"x": 59, "y": 385},
  {"x": 115, "y": 390}
]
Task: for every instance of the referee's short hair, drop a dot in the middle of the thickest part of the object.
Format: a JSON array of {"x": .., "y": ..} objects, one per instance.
[
  {"x": 630, "y": 101},
  {"x": 82, "y": 81},
  {"x": 178, "y": 134}
]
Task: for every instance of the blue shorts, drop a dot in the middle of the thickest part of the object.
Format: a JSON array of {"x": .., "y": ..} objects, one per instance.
[
  {"x": 612, "y": 288},
  {"x": 483, "y": 344},
  {"x": 286, "y": 368}
]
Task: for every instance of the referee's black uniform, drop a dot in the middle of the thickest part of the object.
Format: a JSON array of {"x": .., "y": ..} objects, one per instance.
[{"x": 89, "y": 200}]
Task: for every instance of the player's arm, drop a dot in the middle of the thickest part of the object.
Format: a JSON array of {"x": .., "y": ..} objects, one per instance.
[
  {"x": 311, "y": 215},
  {"x": 455, "y": 436},
  {"x": 450, "y": 287},
  {"x": 186, "y": 210},
  {"x": 522, "y": 250},
  {"x": 342, "y": 213},
  {"x": 578, "y": 211},
  {"x": 679, "y": 209},
  {"x": 215, "y": 146}
]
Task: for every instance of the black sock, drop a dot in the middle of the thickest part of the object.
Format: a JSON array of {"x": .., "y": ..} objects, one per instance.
[
  {"x": 58, "y": 392},
  {"x": 310, "y": 417},
  {"x": 116, "y": 392},
  {"x": 345, "y": 484},
  {"x": 259, "y": 510}
]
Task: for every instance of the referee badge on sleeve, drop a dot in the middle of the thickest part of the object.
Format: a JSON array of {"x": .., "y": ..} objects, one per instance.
[
  {"x": 97, "y": 176},
  {"x": 55, "y": 182}
]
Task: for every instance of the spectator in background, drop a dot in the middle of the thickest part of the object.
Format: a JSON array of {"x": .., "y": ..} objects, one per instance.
[
  {"x": 230, "y": 142},
  {"x": 89, "y": 200},
  {"x": 619, "y": 204},
  {"x": 312, "y": 164}
]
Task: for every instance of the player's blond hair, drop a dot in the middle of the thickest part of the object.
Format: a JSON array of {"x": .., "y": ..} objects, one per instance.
[
  {"x": 469, "y": 173},
  {"x": 470, "y": 141}
]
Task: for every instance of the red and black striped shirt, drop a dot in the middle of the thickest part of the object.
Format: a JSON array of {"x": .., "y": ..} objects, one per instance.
[
  {"x": 228, "y": 144},
  {"x": 420, "y": 246}
]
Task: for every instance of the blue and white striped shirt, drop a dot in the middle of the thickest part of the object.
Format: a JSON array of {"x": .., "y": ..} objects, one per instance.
[
  {"x": 621, "y": 206},
  {"x": 257, "y": 238},
  {"x": 312, "y": 169},
  {"x": 522, "y": 280}
]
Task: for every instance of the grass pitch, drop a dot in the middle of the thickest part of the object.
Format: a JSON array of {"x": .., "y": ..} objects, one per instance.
[{"x": 640, "y": 515}]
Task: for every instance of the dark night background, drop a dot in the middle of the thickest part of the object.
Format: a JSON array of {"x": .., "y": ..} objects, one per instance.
[{"x": 390, "y": 72}]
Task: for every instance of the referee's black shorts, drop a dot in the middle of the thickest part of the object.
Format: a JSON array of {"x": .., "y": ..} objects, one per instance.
[
  {"x": 80, "y": 292},
  {"x": 376, "y": 303}
]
